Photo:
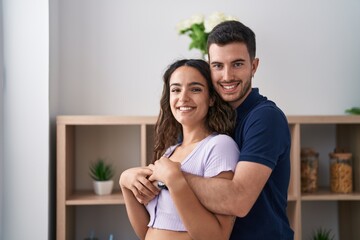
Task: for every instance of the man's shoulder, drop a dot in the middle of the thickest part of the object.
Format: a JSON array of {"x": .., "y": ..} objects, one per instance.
[
  {"x": 267, "y": 117},
  {"x": 267, "y": 109},
  {"x": 267, "y": 105}
]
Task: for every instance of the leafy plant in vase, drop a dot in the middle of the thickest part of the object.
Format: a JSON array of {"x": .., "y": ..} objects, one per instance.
[
  {"x": 322, "y": 234},
  {"x": 198, "y": 27},
  {"x": 101, "y": 173},
  {"x": 353, "y": 110}
]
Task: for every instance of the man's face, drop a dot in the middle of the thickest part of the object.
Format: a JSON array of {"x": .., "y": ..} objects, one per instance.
[{"x": 232, "y": 71}]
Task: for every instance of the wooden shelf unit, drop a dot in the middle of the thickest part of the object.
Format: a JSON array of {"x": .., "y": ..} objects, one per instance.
[
  {"x": 347, "y": 134},
  {"x": 81, "y": 139},
  {"x": 73, "y": 183}
]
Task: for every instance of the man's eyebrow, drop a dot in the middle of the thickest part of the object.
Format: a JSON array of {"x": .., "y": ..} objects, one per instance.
[
  {"x": 215, "y": 63},
  {"x": 236, "y": 60},
  {"x": 239, "y": 60}
]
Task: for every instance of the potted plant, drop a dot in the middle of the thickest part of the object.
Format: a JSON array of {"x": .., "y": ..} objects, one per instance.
[
  {"x": 322, "y": 234},
  {"x": 353, "y": 110},
  {"x": 101, "y": 173},
  {"x": 198, "y": 28}
]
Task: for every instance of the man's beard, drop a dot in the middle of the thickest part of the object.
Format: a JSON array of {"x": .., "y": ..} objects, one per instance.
[{"x": 243, "y": 93}]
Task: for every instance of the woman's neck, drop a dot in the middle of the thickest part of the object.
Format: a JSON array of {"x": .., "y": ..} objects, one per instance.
[{"x": 191, "y": 136}]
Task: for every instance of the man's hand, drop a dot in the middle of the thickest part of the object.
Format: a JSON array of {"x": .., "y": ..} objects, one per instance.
[{"x": 136, "y": 180}]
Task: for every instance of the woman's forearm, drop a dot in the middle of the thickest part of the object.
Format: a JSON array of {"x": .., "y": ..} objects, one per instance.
[{"x": 138, "y": 216}]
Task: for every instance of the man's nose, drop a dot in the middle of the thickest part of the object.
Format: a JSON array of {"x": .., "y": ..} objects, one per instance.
[{"x": 228, "y": 74}]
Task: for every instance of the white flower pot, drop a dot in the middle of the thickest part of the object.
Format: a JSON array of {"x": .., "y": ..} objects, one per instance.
[{"x": 103, "y": 187}]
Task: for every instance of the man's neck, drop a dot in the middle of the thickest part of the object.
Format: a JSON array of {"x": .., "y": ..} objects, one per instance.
[{"x": 236, "y": 104}]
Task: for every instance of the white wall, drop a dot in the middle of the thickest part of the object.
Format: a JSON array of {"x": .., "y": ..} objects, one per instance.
[
  {"x": 108, "y": 57},
  {"x": 25, "y": 205},
  {"x": 111, "y": 53}
]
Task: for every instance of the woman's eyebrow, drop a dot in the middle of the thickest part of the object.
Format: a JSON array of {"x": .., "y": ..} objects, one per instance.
[
  {"x": 190, "y": 84},
  {"x": 175, "y": 84},
  {"x": 196, "y": 83}
]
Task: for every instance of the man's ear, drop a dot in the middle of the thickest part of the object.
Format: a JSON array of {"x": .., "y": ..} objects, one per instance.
[{"x": 254, "y": 66}]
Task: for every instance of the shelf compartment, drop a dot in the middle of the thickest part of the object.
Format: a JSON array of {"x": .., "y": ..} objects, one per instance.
[
  {"x": 103, "y": 220},
  {"x": 326, "y": 195},
  {"x": 349, "y": 218},
  {"x": 118, "y": 145},
  {"x": 89, "y": 198}
]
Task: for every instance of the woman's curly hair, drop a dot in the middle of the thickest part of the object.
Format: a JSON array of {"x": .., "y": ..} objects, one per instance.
[{"x": 168, "y": 131}]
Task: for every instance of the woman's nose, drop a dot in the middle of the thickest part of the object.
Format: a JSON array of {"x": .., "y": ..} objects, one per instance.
[{"x": 184, "y": 96}]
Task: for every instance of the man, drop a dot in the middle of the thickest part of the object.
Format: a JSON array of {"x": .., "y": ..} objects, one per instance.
[{"x": 257, "y": 194}]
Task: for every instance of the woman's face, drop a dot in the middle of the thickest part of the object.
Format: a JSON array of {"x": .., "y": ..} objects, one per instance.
[{"x": 189, "y": 96}]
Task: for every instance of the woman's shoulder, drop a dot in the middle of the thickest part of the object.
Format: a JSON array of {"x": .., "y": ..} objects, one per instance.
[{"x": 222, "y": 139}]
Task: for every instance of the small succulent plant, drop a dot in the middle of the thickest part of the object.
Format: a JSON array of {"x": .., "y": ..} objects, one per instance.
[
  {"x": 322, "y": 234},
  {"x": 100, "y": 171}
]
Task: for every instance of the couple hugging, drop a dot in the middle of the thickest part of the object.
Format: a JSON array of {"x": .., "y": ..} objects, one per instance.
[{"x": 221, "y": 151}]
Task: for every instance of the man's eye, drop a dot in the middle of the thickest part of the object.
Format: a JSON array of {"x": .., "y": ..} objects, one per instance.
[
  {"x": 238, "y": 64},
  {"x": 216, "y": 66}
]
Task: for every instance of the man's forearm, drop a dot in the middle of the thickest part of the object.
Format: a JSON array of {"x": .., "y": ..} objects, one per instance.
[{"x": 213, "y": 193}]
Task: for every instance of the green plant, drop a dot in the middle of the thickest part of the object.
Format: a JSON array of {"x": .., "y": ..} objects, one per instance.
[
  {"x": 322, "y": 234},
  {"x": 198, "y": 28},
  {"x": 100, "y": 171},
  {"x": 354, "y": 110}
]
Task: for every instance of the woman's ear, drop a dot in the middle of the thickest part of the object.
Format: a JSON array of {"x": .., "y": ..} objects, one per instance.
[{"x": 212, "y": 102}]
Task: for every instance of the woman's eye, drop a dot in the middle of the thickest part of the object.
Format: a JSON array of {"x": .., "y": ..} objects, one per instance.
[
  {"x": 174, "y": 90},
  {"x": 196, "y": 90}
]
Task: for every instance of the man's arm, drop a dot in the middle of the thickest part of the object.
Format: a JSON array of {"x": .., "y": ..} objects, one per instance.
[
  {"x": 231, "y": 197},
  {"x": 199, "y": 222}
]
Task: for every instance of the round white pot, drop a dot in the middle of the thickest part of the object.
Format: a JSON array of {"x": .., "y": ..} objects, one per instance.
[{"x": 103, "y": 187}]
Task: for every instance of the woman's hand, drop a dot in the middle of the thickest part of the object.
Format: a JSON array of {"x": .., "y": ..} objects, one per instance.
[
  {"x": 165, "y": 170},
  {"x": 136, "y": 180}
]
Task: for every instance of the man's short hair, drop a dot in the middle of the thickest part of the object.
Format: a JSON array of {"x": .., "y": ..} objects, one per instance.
[{"x": 230, "y": 32}]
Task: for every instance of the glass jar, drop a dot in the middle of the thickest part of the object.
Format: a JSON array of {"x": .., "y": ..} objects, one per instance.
[
  {"x": 341, "y": 172},
  {"x": 309, "y": 170}
]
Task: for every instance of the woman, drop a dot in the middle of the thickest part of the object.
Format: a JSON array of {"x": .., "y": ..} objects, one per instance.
[{"x": 190, "y": 108}]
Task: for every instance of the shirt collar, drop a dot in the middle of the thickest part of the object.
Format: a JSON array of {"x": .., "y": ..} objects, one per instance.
[{"x": 251, "y": 101}]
